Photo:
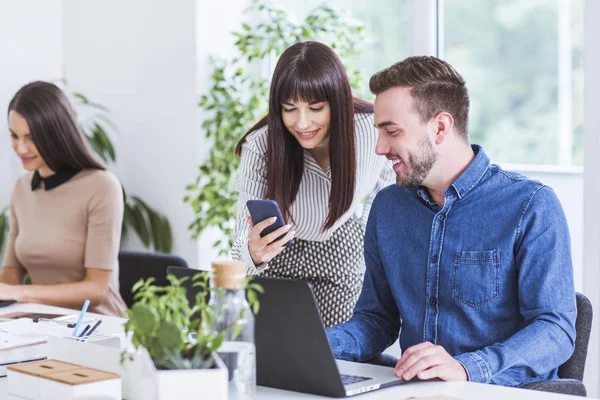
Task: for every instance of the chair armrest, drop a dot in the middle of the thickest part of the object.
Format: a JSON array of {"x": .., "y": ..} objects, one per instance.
[{"x": 563, "y": 386}]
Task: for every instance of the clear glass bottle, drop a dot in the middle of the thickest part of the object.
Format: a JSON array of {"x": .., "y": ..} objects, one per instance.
[{"x": 231, "y": 313}]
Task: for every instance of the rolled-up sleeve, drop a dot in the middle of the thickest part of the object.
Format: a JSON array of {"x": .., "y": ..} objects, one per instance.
[{"x": 252, "y": 185}]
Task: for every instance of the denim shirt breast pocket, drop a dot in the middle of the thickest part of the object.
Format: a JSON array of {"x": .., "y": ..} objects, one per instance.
[{"x": 476, "y": 277}]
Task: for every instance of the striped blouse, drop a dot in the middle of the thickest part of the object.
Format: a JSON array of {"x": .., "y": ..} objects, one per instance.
[{"x": 311, "y": 206}]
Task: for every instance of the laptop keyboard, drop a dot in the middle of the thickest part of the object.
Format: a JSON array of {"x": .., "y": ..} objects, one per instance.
[{"x": 350, "y": 379}]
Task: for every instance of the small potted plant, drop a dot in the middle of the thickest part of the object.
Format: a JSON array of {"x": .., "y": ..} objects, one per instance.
[{"x": 175, "y": 344}]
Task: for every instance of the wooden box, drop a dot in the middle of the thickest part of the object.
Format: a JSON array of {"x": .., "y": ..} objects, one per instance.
[{"x": 52, "y": 379}]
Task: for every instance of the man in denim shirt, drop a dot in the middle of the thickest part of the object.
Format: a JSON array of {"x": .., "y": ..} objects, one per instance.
[{"x": 471, "y": 261}]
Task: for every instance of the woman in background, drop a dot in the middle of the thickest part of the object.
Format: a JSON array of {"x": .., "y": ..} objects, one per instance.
[
  {"x": 65, "y": 212},
  {"x": 314, "y": 154}
]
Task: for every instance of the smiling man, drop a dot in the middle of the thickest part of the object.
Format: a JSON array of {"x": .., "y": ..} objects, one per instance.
[{"x": 469, "y": 263}]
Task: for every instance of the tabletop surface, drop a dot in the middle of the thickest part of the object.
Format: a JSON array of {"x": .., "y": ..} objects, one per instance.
[{"x": 457, "y": 390}]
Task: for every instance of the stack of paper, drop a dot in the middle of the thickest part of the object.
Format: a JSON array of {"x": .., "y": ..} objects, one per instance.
[{"x": 24, "y": 340}]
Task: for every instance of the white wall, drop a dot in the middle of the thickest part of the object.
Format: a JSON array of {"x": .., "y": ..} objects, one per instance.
[
  {"x": 139, "y": 60},
  {"x": 30, "y": 49}
]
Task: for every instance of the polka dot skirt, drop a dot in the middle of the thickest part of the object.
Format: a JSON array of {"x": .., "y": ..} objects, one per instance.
[{"x": 334, "y": 268}]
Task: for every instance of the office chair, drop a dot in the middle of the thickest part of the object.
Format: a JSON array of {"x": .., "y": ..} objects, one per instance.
[
  {"x": 571, "y": 372},
  {"x": 135, "y": 265}
]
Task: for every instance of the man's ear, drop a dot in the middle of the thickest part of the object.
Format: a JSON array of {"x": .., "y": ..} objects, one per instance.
[{"x": 443, "y": 124}]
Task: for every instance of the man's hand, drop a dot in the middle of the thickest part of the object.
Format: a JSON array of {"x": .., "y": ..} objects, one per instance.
[{"x": 428, "y": 361}]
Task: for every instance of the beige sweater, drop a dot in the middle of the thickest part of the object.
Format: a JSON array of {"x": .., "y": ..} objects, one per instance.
[{"x": 56, "y": 234}]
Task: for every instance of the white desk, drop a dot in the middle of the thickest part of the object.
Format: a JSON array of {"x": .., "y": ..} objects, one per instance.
[{"x": 459, "y": 390}]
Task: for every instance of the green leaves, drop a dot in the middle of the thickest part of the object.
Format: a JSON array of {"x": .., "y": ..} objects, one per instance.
[
  {"x": 252, "y": 290},
  {"x": 169, "y": 337},
  {"x": 3, "y": 226},
  {"x": 238, "y": 98},
  {"x": 162, "y": 321},
  {"x": 153, "y": 229},
  {"x": 144, "y": 317},
  {"x": 100, "y": 142},
  {"x": 237, "y": 329}
]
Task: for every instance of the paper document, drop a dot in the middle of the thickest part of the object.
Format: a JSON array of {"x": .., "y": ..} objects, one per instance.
[{"x": 25, "y": 332}]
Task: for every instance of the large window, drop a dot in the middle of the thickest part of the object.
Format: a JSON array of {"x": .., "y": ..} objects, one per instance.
[
  {"x": 523, "y": 63},
  {"x": 522, "y": 60},
  {"x": 387, "y": 24}
]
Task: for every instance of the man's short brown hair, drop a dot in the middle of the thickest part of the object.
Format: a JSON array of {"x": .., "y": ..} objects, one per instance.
[{"x": 435, "y": 86}]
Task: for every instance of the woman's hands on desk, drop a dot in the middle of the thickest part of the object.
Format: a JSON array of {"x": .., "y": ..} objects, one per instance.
[
  {"x": 259, "y": 247},
  {"x": 94, "y": 287},
  {"x": 9, "y": 292},
  {"x": 428, "y": 361}
]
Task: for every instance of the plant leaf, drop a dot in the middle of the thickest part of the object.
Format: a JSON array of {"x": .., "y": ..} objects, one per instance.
[
  {"x": 4, "y": 224},
  {"x": 139, "y": 224},
  {"x": 236, "y": 330},
  {"x": 105, "y": 145},
  {"x": 159, "y": 227}
]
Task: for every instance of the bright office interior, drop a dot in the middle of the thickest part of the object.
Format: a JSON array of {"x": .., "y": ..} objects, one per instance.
[{"x": 534, "y": 107}]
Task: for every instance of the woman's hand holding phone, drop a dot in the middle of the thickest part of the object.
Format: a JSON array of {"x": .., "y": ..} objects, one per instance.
[{"x": 261, "y": 248}]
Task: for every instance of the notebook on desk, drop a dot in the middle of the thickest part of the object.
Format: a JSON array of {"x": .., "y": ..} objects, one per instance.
[
  {"x": 22, "y": 340},
  {"x": 24, "y": 332}
]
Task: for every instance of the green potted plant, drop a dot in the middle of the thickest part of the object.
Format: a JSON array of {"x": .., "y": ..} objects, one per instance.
[{"x": 175, "y": 342}]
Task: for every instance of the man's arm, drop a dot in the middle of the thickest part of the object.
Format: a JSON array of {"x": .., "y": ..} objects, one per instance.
[
  {"x": 375, "y": 323},
  {"x": 546, "y": 299}
]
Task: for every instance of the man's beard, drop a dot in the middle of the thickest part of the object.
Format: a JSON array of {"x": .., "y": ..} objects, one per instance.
[{"x": 418, "y": 166}]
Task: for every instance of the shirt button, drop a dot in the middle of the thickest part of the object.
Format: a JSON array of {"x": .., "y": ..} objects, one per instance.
[
  {"x": 432, "y": 301},
  {"x": 434, "y": 259},
  {"x": 441, "y": 217}
]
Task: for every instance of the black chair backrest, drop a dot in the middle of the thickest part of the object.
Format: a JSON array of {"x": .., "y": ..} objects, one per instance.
[
  {"x": 135, "y": 265},
  {"x": 574, "y": 367}
]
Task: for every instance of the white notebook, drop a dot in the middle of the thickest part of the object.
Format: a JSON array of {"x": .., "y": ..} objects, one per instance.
[{"x": 24, "y": 332}]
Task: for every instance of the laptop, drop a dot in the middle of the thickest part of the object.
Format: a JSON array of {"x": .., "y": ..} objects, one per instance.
[{"x": 292, "y": 349}]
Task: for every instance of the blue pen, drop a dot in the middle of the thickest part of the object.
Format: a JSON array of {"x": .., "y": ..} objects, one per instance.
[
  {"x": 94, "y": 327},
  {"x": 84, "y": 331},
  {"x": 81, "y": 314}
]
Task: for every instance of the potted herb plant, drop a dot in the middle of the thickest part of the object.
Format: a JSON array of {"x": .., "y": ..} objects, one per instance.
[{"x": 175, "y": 345}]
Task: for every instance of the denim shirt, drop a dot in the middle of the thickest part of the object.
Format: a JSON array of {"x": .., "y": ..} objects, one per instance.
[{"x": 488, "y": 276}]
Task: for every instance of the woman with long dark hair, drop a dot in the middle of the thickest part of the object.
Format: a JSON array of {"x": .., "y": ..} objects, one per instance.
[
  {"x": 65, "y": 212},
  {"x": 314, "y": 154}
]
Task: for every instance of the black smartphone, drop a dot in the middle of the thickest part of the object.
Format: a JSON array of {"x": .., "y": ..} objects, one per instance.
[{"x": 265, "y": 209}]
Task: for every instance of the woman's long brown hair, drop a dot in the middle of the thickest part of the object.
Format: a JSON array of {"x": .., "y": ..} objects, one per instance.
[
  {"x": 311, "y": 72},
  {"x": 53, "y": 127}
]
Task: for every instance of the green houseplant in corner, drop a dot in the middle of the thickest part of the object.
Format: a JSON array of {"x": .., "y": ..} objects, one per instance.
[
  {"x": 153, "y": 228},
  {"x": 238, "y": 98},
  {"x": 176, "y": 342}
]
